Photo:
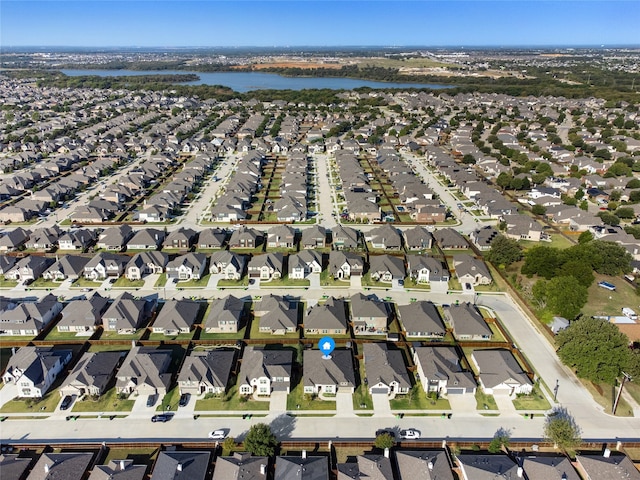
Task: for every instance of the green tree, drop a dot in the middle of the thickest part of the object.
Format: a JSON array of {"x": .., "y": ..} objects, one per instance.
[
  {"x": 384, "y": 440},
  {"x": 625, "y": 212},
  {"x": 597, "y": 350},
  {"x": 469, "y": 159},
  {"x": 608, "y": 258},
  {"x": 501, "y": 439},
  {"x": 633, "y": 365},
  {"x": 566, "y": 296},
  {"x": 260, "y": 440},
  {"x": 504, "y": 251},
  {"x": 608, "y": 218},
  {"x": 542, "y": 260},
  {"x": 561, "y": 428},
  {"x": 504, "y": 180},
  {"x": 585, "y": 237},
  {"x": 539, "y": 209}
]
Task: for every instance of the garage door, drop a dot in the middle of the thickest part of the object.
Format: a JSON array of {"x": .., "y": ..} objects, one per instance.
[
  {"x": 384, "y": 391},
  {"x": 455, "y": 391}
]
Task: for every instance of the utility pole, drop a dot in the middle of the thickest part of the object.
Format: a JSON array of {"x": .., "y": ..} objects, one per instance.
[
  {"x": 555, "y": 390},
  {"x": 625, "y": 377}
]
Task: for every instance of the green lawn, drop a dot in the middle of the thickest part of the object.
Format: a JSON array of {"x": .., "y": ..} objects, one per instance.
[
  {"x": 230, "y": 401},
  {"x": 170, "y": 400},
  {"x": 307, "y": 402},
  {"x": 256, "y": 333},
  {"x": 48, "y": 404},
  {"x": 140, "y": 456},
  {"x": 361, "y": 395},
  {"x": 201, "y": 283},
  {"x": 285, "y": 282},
  {"x": 126, "y": 283},
  {"x": 42, "y": 283},
  {"x": 106, "y": 335},
  {"x": 54, "y": 334},
  {"x": 83, "y": 282},
  {"x": 108, "y": 402},
  {"x": 7, "y": 283},
  {"x": 535, "y": 401},
  {"x": 605, "y": 302},
  {"x": 180, "y": 336},
  {"x": 411, "y": 283},
  {"x": 243, "y": 282},
  {"x": 162, "y": 280},
  {"x": 326, "y": 280},
  {"x": 222, "y": 336},
  {"x": 417, "y": 400},
  {"x": 483, "y": 400}
]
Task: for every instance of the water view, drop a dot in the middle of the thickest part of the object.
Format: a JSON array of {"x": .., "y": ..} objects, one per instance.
[{"x": 247, "y": 81}]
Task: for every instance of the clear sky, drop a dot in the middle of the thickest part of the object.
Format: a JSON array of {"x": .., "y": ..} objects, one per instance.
[{"x": 318, "y": 23}]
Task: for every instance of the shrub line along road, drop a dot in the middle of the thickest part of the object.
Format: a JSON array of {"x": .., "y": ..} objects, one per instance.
[{"x": 465, "y": 424}]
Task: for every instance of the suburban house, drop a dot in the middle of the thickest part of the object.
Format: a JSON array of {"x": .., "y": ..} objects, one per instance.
[
  {"x": 433, "y": 464},
  {"x": 13, "y": 239},
  {"x": 276, "y": 315},
  {"x": 241, "y": 465},
  {"x": 264, "y": 371},
  {"x": 304, "y": 263},
  {"x": 66, "y": 267},
  {"x": 302, "y": 467},
  {"x": 190, "y": 266},
  {"x": 145, "y": 371},
  {"x": 83, "y": 316},
  {"x": 385, "y": 369},
  {"x": 471, "y": 270},
  {"x": 146, "y": 263},
  {"x": 418, "y": 238},
  {"x": 146, "y": 239},
  {"x": 328, "y": 375},
  {"x": 467, "y": 322},
  {"x": 228, "y": 264},
  {"x": 181, "y": 464},
  {"x": 281, "y": 236},
  {"x": 29, "y": 318},
  {"x": 176, "y": 317},
  {"x": 206, "y": 372},
  {"x": 439, "y": 371},
  {"x": 345, "y": 238},
  {"x": 343, "y": 265},
  {"x": 34, "y": 369},
  {"x": 119, "y": 469},
  {"x": 329, "y": 317},
  {"x": 522, "y": 227},
  {"x": 245, "y": 237},
  {"x": 370, "y": 466},
  {"x": 384, "y": 237},
  {"x": 92, "y": 374},
  {"x": 449, "y": 239},
  {"x": 314, "y": 237},
  {"x": 267, "y": 266},
  {"x": 544, "y": 467},
  {"x": 474, "y": 466},
  {"x": 612, "y": 466},
  {"x": 225, "y": 315},
  {"x": 483, "y": 237},
  {"x": 211, "y": 238},
  {"x": 386, "y": 268},
  {"x": 181, "y": 239},
  {"x": 369, "y": 315},
  {"x": 426, "y": 269},
  {"x": 500, "y": 373},
  {"x": 105, "y": 265},
  {"x": 29, "y": 268},
  {"x": 421, "y": 319},
  {"x": 115, "y": 238},
  {"x": 126, "y": 314},
  {"x": 70, "y": 466}
]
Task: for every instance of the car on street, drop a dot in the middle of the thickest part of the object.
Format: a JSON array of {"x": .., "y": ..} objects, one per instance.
[
  {"x": 66, "y": 402},
  {"x": 218, "y": 435},
  {"x": 162, "y": 417},
  {"x": 184, "y": 399},
  {"x": 409, "y": 434}
]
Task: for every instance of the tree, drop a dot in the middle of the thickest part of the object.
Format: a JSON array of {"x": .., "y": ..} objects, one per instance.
[
  {"x": 566, "y": 296},
  {"x": 384, "y": 440},
  {"x": 260, "y": 440},
  {"x": 585, "y": 237},
  {"x": 596, "y": 349},
  {"x": 561, "y": 428},
  {"x": 504, "y": 251},
  {"x": 504, "y": 180},
  {"x": 501, "y": 438},
  {"x": 542, "y": 260},
  {"x": 538, "y": 209}
]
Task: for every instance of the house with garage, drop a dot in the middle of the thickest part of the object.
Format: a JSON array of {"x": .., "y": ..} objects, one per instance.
[
  {"x": 83, "y": 316},
  {"x": 344, "y": 265},
  {"x": 44, "y": 239},
  {"x": 242, "y": 466},
  {"x": 176, "y": 317},
  {"x": 29, "y": 318},
  {"x": 418, "y": 238},
  {"x": 146, "y": 263},
  {"x": 440, "y": 371},
  {"x": 467, "y": 323},
  {"x": 212, "y": 238},
  {"x": 328, "y": 318},
  {"x": 369, "y": 466},
  {"x": 500, "y": 373},
  {"x": 181, "y": 239},
  {"x": 66, "y": 267},
  {"x": 12, "y": 240},
  {"x": 281, "y": 236},
  {"x": 328, "y": 375},
  {"x": 449, "y": 239},
  {"x": 190, "y": 266},
  {"x": 267, "y": 266},
  {"x": 119, "y": 469},
  {"x": 105, "y": 265},
  {"x": 225, "y": 315},
  {"x": 426, "y": 269},
  {"x": 537, "y": 466},
  {"x": 369, "y": 315},
  {"x": 181, "y": 465},
  {"x": 386, "y": 268},
  {"x": 126, "y": 314},
  {"x": 313, "y": 237},
  {"x": 29, "y": 268},
  {"x": 263, "y": 371},
  {"x": 146, "y": 239},
  {"x": 115, "y": 238},
  {"x": 92, "y": 375},
  {"x": 246, "y": 237},
  {"x": 421, "y": 319},
  {"x": 304, "y": 467},
  {"x": 145, "y": 371},
  {"x": 609, "y": 465},
  {"x": 34, "y": 369},
  {"x": 385, "y": 369},
  {"x": 384, "y": 237},
  {"x": 70, "y": 466},
  {"x": 228, "y": 264},
  {"x": 471, "y": 270},
  {"x": 345, "y": 238},
  {"x": 205, "y": 372},
  {"x": 304, "y": 263},
  {"x": 479, "y": 466},
  {"x": 523, "y": 227},
  {"x": 276, "y": 315}
]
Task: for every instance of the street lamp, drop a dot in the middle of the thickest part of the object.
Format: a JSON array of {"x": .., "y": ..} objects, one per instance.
[{"x": 555, "y": 390}]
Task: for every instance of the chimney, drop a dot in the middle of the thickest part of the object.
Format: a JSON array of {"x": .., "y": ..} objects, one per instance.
[
  {"x": 46, "y": 468},
  {"x": 179, "y": 467},
  {"x": 519, "y": 472},
  {"x": 304, "y": 454},
  {"x": 607, "y": 453},
  {"x": 263, "y": 469},
  {"x": 121, "y": 464},
  {"x": 386, "y": 453}
]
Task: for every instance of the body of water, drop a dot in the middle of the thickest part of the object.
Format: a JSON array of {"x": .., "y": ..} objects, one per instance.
[{"x": 247, "y": 81}]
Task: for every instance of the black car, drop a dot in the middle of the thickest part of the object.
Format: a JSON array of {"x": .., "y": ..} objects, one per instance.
[
  {"x": 161, "y": 418},
  {"x": 391, "y": 433},
  {"x": 184, "y": 399},
  {"x": 66, "y": 402}
]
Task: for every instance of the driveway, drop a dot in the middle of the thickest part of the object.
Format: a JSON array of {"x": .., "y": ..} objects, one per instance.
[
  {"x": 356, "y": 281},
  {"x": 464, "y": 404},
  {"x": 314, "y": 280},
  {"x": 278, "y": 403},
  {"x": 381, "y": 407},
  {"x": 344, "y": 405},
  {"x": 505, "y": 405}
]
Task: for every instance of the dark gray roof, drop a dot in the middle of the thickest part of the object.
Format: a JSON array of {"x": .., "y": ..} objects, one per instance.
[
  {"x": 60, "y": 466},
  {"x": 550, "y": 467},
  {"x": 423, "y": 465},
  {"x": 320, "y": 371},
  {"x": 14, "y": 467},
  {"x": 240, "y": 466},
  {"x": 487, "y": 467},
  {"x": 330, "y": 315},
  {"x": 212, "y": 367},
  {"x": 298, "y": 468},
  {"x": 118, "y": 470},
  {"x": 94, "y": 369},
  {"x": 466, "y": 320},
  {"x": 442, "y": 363},
  {"x": 615, "y": 467},
  {"x": 181, "y": 465},
  {"x": 421, "y": 317},
  {"x": 367, "y": 306},
  {"x": 384, "y": 365}
]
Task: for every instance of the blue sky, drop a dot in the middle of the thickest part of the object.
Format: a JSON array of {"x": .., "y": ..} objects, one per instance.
[{"x": 318, "y": 23}]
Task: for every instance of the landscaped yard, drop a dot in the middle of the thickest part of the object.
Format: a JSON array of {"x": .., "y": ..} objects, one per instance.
[
  {"x": 47, "y": 404},
  {"x": 201, "y": 283},
  {"x": 162, "y": 280},
  {"x": 123, "y": 282},
  {"x": 417, "y": 400},
  {"x": 42, "y": 283},
  {"x": 140, "y": 456},
  {"x": 484, "y": 401},
  {"x": 7, "y": 283},
  {"x": 535, "y": 401},
  {"x": 83, "y": 282},
  {"x": 108, "y": 402},
  {"x": 243, "y": 282},
  {"x": 285, "y": 282},
  {"x": 54, "y": 334},
  {"x": 256, "y": 333},
  {"x": 297, "y": 397},
  {"x": 170, "y": 400},
  {"x": 230, "y": 401}
]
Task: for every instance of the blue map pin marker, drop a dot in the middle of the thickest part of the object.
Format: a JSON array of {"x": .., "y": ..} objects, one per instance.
[{"x": 326, "y": 346}]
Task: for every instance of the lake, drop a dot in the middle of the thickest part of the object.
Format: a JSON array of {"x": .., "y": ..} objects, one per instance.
[{"x": 247, "y": 81}]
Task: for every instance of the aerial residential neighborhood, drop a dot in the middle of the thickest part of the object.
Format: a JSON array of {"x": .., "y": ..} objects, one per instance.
[{"x": 173, "y": 261}]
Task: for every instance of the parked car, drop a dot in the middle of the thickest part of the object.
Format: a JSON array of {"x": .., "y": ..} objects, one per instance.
[
  {"x": 218, "y": 435},
  {"x": 383, "y": 431},
  {"x": 151, "y": 400},
  {"x": 163, "y": 417},
  {"x": 184, "y": 399},
  {"x": 66, "y": 402},
  {"x": 409, "y": 434}
]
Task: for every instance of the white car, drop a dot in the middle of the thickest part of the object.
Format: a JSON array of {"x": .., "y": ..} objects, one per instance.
[
  {"x": 409, "y": 434},
  {"x": 217, "y": 435}
]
